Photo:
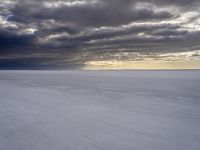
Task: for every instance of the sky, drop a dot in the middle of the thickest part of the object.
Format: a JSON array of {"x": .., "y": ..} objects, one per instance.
[{"x": 99, "y": 34}]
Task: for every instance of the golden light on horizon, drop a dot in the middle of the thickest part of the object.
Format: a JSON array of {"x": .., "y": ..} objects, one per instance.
[
  {"x": 183, "y": 60},
  {"x": 128, "y": 65}
]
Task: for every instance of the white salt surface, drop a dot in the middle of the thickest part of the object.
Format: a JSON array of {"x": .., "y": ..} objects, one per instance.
[{"x": 99, "y": 110}]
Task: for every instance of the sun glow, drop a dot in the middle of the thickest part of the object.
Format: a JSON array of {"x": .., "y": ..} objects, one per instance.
[
  {"x": 152, "y": 65},
  {"x": 178, "y": 60}
]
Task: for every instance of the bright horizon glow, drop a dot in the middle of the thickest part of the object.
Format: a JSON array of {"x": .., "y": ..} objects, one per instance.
[
  {"x": 141, "y": 65},
  {"x": 177, "y": 60}
]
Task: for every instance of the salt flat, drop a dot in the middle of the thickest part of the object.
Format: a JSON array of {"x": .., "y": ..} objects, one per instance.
[{"x": 99, "y": 110}]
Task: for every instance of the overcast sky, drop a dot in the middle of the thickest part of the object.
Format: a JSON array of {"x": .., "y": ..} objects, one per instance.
[{"x": 77, "y": 34}]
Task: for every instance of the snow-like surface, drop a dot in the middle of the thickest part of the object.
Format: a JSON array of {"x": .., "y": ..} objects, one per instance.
[{"x": 99, "y": 110}]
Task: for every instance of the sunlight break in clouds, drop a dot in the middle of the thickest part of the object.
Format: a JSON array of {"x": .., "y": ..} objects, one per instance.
[{"x": 181, "y": 60}]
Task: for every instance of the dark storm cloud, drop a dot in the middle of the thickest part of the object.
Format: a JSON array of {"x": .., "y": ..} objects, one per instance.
[
  {"x": 101, "y": 13},
  {"x": 10, "y": 41},
  {"x": 37, "y": 63},
  {"x": 84, "y": 27}
]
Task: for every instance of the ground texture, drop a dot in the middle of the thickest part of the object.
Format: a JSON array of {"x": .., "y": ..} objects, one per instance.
[{"x": 99, "y": 110}]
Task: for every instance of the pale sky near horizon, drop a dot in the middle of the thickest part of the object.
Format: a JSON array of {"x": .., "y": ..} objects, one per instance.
[{"x": 99, "y": 34}]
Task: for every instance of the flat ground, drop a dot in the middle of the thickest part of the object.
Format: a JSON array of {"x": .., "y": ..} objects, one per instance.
[{"x": 99, "y": 110}]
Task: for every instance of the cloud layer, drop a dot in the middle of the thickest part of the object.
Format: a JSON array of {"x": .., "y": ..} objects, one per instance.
[{"x": 70, "y": 33}]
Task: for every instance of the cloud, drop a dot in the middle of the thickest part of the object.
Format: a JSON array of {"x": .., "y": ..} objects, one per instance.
[{"x": 86, "y": 29}]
